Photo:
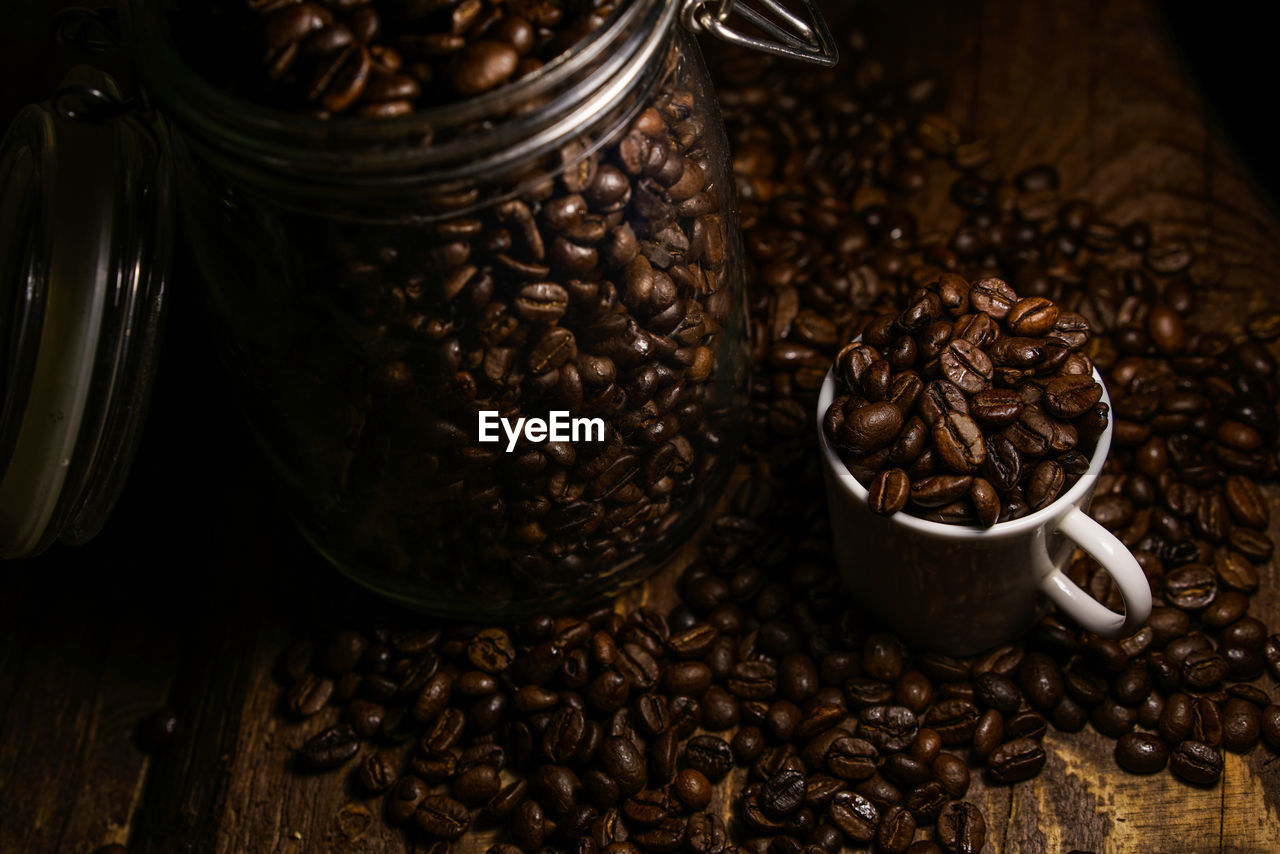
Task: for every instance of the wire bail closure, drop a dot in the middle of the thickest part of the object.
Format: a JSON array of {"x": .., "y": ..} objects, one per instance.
[
  {"x": 87, "y": 29},
  {"x": 793, "y": 37}
]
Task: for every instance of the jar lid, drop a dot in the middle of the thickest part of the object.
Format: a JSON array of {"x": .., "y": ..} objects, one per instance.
[{"x": 85, "y": 238}]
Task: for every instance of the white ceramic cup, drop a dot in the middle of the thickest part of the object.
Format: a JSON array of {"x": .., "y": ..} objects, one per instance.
[{"x": 961, "y": 589}]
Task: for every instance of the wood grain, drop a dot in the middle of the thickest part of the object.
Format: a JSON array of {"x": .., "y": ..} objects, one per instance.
[{"x": 91, "y": 641}]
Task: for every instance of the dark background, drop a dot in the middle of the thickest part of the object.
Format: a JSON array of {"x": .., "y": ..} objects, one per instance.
[
  {"x": 1226, "y": 44},
  {"x": 1232, "y": 53}
]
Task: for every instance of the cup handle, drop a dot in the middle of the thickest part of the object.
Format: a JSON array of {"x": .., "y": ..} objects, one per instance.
[{"x": 1115, "y": 558}]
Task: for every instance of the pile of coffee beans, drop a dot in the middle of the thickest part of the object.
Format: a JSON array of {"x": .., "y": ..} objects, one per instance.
[
  {"x": 377, "y": 58},
  {"x": 972, "y": 404},
  {"x": 761, "y": 712}
]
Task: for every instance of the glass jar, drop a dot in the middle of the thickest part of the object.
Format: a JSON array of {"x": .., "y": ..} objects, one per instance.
[{"x": 495, "y": 349}]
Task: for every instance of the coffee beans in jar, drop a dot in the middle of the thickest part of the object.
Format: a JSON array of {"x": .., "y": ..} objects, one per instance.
[
  {"x": 970, "y": 406},
  {"x": 495, "y": 346},
  {"x": 377, "y": 58}
]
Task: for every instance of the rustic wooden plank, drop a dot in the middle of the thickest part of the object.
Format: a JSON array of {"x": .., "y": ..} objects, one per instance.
[{"x": 81, "y": 667}]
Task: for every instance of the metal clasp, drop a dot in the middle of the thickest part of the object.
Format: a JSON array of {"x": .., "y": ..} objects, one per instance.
[
  {"x": 88, "y": 29},
  {"x": 86, "y": 102},
  {"x": 793, "y": 37},
  {"x": 92, "y": 97}
]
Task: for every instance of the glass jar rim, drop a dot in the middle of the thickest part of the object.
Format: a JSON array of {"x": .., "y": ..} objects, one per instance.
[{"x": 290, "y": 141}]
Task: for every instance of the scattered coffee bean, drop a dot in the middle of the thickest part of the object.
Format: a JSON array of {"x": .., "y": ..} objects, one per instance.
[{"x": 1196, "y": 763}]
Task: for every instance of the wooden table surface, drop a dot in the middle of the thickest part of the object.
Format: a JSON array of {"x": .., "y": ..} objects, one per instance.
[{"x": 199, "y": 580}]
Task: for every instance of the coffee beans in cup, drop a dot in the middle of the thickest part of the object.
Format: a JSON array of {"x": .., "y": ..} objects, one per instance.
[{"x": 970, "y": 406}]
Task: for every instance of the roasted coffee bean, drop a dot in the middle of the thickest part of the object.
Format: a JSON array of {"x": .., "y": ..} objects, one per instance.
[
  {"x": 1032, "y": 316},
  {"x": 992, "y": 296},
  {"x": 988, "y": 734},
  {"x": 1271, "y": 725},
  {"x": 961, "y": 828},
  {"x": 753, "y": 680},
  {"x": 997, "y": 692},
  {"x": 926, "y": 801},
  {"x": 896, "y": 830},
  {"x": 1178, "y": 718},
  {"x": 1246, "y": 632},
  {"x": 1071, "y": 396},
  {"x": 1016, "y": 760},
  {"x": 996, "y": 407},
  {"x": 940, "y": 490},
  {"x": 1245, "y": 501},
  {"x": 1226, "y": 609},
  {"x": 853, "y": 759},
  {"x": 747, "y": 744},
  {"x": 1112, "y": 719},
  {"x": 329, "y": 748},
  {"x": 1271, "y": 653},
  {"x": 1045, "y": 484},
  {"x": 1131, "y": 687},
  {"x": 880, "y": 792},
  {"x": 1235, "y": 572},
  {"x": 543, "y": 302},
  {"x": 940, "y": 398},
  {"x": 952, "y": 773},
  {"x": 1191, "y": 587},
  {"x": 1069, "y": 716},
  {"x": 882, "y": 656},
  {"x": 1204, "y": 669},
  {"x": 705, "y": 833},
  {"x": 309, "y": 694},
  {"x": 960, "y": 443},
  {"x": 477, "y": 786},
  {"x": 953, "y": 719},
  {"x": 1003, "y": 466},
  {"x": 1025, "y": 725},
  {"x": 693, "y": 789},
  {"x": 889, "y": 728},
  {"x": 1196, "y": 763},
  {"x": 491, "y": 651},
  {"x": 620, "y": 760},
  {"x": 968, "y": 367},
  {"x": 781, "y": 719},
  {"x": 1141, "y": 753},
  {"x": 855, "y": 816},
  {"x": 1255, "y": 545},
  {"x": 1041, "y": 680},
  {"x": 926, "y": 746},
  {"x": 905, "y": 771},
  {"x": 783, "y": 793},
  {"x": 404, "y": 799},
  {"x": 914, "y": 691},
  {"x": 378, "y": 771},
  {"x": 483, "y": 65},
  {"x": 870, "y": 428},
  {"x": 528, "y": 825},
  {"x": 710, "y": 755},
  {"x": 1241, "y": 725},
  {"x": 889, "y": 492}
]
